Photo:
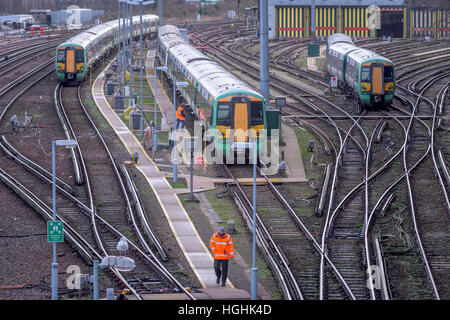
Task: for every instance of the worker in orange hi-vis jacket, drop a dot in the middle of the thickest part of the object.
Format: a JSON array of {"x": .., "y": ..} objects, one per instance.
[
  {"x": 222, "y": 249},
  {"x": 180, "y": 117}
]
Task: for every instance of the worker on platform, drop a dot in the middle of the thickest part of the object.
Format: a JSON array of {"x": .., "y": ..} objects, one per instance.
[
  {"x": 135, "y": 157},
  {"x": 222, "y": 249},
  {"x": 181, "y": 116}
]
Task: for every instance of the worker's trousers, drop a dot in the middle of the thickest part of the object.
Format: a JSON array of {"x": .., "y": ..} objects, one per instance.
[
  {"x": 178, "y": 122},
  {"x": 221, "y": 269}
]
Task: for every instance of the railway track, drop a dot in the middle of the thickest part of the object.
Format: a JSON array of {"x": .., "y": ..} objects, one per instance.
[
  {"x": 368, "y": 249},
  {"x": 99, "y": 168},
  {"x": 291, "y": 249},
  {"x": 90, "y": 233}
]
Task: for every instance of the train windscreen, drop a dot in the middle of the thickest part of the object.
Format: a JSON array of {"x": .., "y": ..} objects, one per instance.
[
  {"x": 79, "y": 56},
  {"x": 256, "y": 113},
  {"x": 223, "y": 114},
  {"x": 388, "y": 74},
  {"x": 61, "y": 56},
  {"x": 365, "y": 74}
]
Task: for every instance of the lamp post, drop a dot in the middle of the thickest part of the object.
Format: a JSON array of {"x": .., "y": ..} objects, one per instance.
[
  {"x": 155, "y": 136},
  {"x": 175, "y": 84},
  {"x": 254, "y": 271},
  {"x": 124, "y": 45},
  {"x": 119, "y": 57},
  {"x": 139, "y": 3},
  {"x": 67, "y": 144}
]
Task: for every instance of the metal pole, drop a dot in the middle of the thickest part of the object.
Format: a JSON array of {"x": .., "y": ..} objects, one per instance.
[
  {"x": 119, "y": 57},
  {"x": 175, "y": 169},
  {"x": 124, "y": 49},
  {"x": 160, "y": 12},
  {"x": 254, "y": 272},
  {"x": 155, "y": 136},
  {"x": 54, "y": 264},
  {"x": 95, "y": 279},
  {"x": 313, "y": 20},
  {"x": 264, "y": 50},
  {"x": 191, "y": 196},
  {"x": 141, "y": 74},
  {"x": 131, "y": 56}
]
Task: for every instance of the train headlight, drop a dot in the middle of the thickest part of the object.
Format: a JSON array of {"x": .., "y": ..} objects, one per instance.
[{"x": 257, "y": 133}]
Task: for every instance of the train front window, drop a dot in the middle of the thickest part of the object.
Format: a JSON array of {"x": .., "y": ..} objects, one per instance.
[
  {"x": 61, "y": 56},
  {"x": 388, "y": 74},
  {"x": 223, "y": 114},
  {"x": 79, "y": 56},
  {"x": 365, "y": 74},
  {"x": 256, "y": 113}
]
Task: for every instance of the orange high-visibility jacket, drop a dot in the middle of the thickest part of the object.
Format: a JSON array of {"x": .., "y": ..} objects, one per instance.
[
  {"x": 179, "y": 113},
  {"x": 221, "y": 246}
]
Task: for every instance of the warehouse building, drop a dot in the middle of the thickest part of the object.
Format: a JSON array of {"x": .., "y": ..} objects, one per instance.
[
  {"x": 75, "y": 16},
  {"x": 357, "y": 18}
]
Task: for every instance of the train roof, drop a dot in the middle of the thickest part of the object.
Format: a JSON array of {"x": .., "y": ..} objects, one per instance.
[
  {"x": 360, "y": 55},
  {"x": 342, "y": 48},
  {"x": 84, "y": 38},
  {"x": 339, "y": 38},
  {"x": 199, "y": 69},
  {"x": 170, "y": 40},
  {"x": 168, "y": 29}
]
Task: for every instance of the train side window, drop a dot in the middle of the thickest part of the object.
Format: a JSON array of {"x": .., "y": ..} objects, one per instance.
[
  {"x": 365, "y": 74},
  {"x": 61, "y": 56},
  {"x": 256, "y": 113},
  {"x": 388, "y": 74},
  {"x": 223, "y": 114}
]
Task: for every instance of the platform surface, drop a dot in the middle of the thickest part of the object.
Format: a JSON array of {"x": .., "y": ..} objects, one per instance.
[
  {"x": 210, "y": 293},
  {"x": 292, "y": 155},
  {"x": 165, "y": 105}
]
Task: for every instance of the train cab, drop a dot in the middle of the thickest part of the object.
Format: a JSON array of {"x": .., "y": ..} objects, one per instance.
[
  {"x": 377, "y": 81},
  {"x": 70, "y": 61}
]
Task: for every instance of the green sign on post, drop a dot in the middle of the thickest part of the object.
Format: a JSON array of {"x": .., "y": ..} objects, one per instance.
[{"x": 55, "y": 231}]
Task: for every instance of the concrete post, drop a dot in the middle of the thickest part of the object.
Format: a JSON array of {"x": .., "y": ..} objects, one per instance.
[{"x": 95, "y": 279}]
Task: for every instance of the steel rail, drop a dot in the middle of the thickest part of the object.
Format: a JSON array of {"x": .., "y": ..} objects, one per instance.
[
  {"x": 287, "y": 280},
  {"x": 410, "y": 194},
  {"x": 68, "y": 132},
  {"x": 329, "y": 219},
  {"x": 25, "y": 76},
  {"x": 154, "y": 262},
  {"x": 308, "y": 234}
]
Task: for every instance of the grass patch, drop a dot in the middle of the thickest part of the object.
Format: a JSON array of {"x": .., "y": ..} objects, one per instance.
[{"x": 180, "y": 184}]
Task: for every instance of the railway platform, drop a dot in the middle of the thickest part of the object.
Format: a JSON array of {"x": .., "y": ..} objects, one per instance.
[{"x": 195, "y": 251}]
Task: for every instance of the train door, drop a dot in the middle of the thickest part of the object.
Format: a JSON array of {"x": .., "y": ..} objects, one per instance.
[
  {"x": 70, "y": 61},
  {"x": 377, "y": 79},
  {"x": 240, "y": 121}
]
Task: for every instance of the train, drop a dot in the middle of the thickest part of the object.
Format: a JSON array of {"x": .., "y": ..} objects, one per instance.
[
  {"x": 76, "y": 55},
  {"x": 369, "y": 77},
  {"x": 228, "y": 106}
]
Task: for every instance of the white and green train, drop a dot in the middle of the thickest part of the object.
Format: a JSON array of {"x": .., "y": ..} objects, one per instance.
[
  {"x": 369, "y": 76},
  {"x": 229, "y": 106},
  {"x": 76, "y": 55}
]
